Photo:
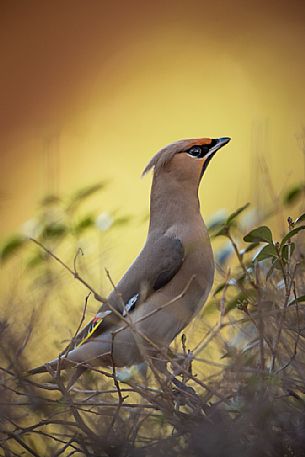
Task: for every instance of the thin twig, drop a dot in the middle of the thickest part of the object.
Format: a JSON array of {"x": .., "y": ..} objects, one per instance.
[{"x": 73, "y": 273}]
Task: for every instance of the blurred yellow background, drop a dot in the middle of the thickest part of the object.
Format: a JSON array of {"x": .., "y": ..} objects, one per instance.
[{"x": 90, "y": 90}]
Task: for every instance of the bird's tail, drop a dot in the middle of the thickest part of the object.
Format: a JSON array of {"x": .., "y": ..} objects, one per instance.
[
  {"x": 75, "y": 346},
  {"x": 63, "y": 363},
  {"x": 40, "y": 369},
  {"x": 76, "y": 373}
]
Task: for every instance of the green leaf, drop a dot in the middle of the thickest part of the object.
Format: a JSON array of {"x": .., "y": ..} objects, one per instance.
[
  {"x": 235, "y": 302},
  {"x": 83, "y": 224},
  {"x": 300, "y": 299},
  {"x": 236, "y": 213},
  {"x": 123, "y": 220},
  {"x": 287, "y": 251},
  {"x": 221, "y": 225},
  {"x": 300, "y": 219},
  {"x": 276, "y": 265},
  {"x": 222, "y": 231},
  {"x": 11, "y": 246},
  {"x": 293, "y": 194},
  {"x": 239, "y": 300},
  {"x": 217, "y": 220},
  {"x": 249, "y": 247},
  {"x": 260, "y": 234},
  {"x": 50, "y": 200},
  {"x": 54, "y": 231},
  {"x": 221, "y": 286},
  {"x": 231, "y": 283},
  {"x": 84, "y": 193},
  {"x": 291, "y": 234},
  {"x": 36, "y": 260},
  {"x": 267, "y": 252}
]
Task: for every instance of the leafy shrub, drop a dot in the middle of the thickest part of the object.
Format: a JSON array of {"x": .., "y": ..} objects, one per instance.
[{"x": 246, "y": 397}]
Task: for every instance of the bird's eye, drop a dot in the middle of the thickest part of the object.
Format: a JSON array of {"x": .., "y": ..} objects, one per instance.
[{"x": 195, "y": 151}]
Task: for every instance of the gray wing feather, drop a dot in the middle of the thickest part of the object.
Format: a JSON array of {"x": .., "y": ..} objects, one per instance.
[
  {"x": 158, "y": 262},
  {"x": 172, "y": 257}
]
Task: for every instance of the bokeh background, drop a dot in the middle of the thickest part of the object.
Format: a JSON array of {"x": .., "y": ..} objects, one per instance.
[{"x": 90, "y": 90}]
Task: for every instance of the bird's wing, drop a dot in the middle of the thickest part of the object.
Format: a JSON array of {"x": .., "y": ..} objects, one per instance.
[{"x": 158, "y": 262}]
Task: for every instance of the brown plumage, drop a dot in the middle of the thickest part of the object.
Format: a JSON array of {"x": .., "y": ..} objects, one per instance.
[{"x": 177, "y": 257}]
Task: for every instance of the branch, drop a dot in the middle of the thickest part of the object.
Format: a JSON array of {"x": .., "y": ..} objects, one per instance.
[{"x": 73, "y": 273}]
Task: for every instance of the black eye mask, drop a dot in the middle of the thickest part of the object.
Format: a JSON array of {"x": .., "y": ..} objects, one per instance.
[{"x": 199, "y": 151}]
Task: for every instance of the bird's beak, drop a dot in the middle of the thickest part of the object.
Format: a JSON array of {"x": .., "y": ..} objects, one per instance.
[{"x": 217, "y": 143}]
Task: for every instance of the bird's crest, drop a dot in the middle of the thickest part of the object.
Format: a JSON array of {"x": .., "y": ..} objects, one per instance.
[{"x": 166, "y": 154}]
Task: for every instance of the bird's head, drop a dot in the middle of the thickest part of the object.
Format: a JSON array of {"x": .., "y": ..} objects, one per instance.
[{"x": 186, "y": 159}]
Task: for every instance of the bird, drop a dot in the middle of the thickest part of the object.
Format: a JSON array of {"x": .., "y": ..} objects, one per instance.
[{"x": 170, "y": 280}]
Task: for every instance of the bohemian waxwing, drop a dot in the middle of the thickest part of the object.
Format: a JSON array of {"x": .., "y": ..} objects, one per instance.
[{"x": 169, "y": 281}]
